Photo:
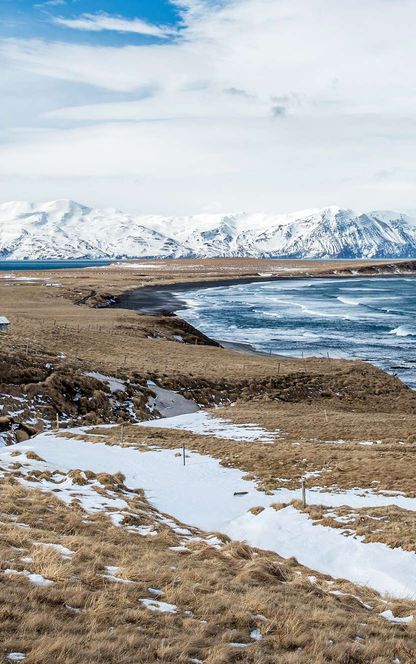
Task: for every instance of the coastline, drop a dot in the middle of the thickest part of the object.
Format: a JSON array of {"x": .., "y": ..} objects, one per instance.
[{"x": 166, "y": 300}]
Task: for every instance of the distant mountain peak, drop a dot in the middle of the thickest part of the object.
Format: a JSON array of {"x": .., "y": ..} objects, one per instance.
[{"x": 67, "y": 229}]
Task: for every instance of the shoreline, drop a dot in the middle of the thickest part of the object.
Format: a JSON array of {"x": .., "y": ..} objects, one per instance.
[
  {"x": 165, "y": 299},
  {"x": 160, "y": 300}
]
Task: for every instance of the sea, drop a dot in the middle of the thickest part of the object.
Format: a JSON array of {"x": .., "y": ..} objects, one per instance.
[
  {"x": 9, "y": 265},
  {"x": 372, "y": 319}
]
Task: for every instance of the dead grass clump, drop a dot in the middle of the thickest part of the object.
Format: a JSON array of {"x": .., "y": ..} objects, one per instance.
[
  {"x": 16, "y": 536},
  {"x": 32, "y": 455},
  {"x": 115, "y": 481},
  {"x": 390, "y": 525},
  {"x": 12, "y": 491},
  {"x": 263, "y": 570},
  {"x": 279, "y": 506},
  {"x": 287, "y": 630},
  {"x": 49, "y": 563},
  {"x": 256, "y": 510},
  {"x": 38, "y": 475},
  {"x": 238, "y": 550},
  {"x": 78, "y": 477},
  {"x": 222, "y": 537}
]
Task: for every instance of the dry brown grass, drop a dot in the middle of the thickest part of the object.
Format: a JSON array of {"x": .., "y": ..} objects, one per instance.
[
  {"x": 221, "y": 596},
  {"x": 228, "y": 592},
  {"x": 391, "y": 525}
]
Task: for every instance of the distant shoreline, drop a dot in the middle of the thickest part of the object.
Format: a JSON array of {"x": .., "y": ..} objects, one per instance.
[
  {"x": 38, "y": 265},
  {"x": 164, "y": 299},
  {"x": 159, "y": 299}
]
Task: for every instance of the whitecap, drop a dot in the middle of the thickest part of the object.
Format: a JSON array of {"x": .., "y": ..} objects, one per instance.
[
  {"x": 402, "y": 331},
  {"x": 348, "y": 300}
]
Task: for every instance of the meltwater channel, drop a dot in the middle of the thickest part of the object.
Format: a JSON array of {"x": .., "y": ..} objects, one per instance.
[{"x": 372, "y": 319}]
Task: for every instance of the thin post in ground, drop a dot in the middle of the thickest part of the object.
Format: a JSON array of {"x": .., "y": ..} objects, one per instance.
[{"x": 303, "y": 493}]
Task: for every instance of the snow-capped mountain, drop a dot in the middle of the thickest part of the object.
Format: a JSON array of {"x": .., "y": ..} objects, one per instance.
[{"x": 65, "y": 229}]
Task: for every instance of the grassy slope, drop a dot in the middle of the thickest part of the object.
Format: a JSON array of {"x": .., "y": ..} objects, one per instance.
[
  {"x": 221, "y": 595},
  {"x": 316, "y": 400}
]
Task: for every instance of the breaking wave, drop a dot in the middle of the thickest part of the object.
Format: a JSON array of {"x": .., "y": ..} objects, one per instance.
[
  {"x": 348, "y": 300},
  {"x": 373, "y": 321},
  {"x": 403, "y": 331}
]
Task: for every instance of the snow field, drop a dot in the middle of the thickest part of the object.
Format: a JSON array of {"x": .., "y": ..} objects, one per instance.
[{"x": 202, "y": 494}]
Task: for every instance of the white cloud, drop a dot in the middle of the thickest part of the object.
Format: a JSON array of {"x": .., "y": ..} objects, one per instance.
[
  {"x": 257, "y": 104},
  {"x": 100, "y": 22},
  {"x": 50, "y": 3}
]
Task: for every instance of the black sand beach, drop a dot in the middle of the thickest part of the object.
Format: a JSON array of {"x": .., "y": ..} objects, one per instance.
[
  {"x": 160, "y": 299},
  {"x": 156, "y": 300},
  {"x": 164, "y": 298}
]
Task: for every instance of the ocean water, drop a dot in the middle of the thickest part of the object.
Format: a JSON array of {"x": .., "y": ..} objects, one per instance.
[
  {"x": 12, "y": 266},
  {"x": 372, "y": 319}
]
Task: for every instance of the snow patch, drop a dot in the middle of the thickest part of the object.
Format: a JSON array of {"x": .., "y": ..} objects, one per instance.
[
  {"x": 291, "y": 533},
  {"x": 158, "y": 606},
  {"x": 388, "y": 615},
  {"x": 169, "y": 403},
  {"x": 36, "y": 579},
  {"x": 205, "y": 424},
  {"x": 114, "y": 384}
]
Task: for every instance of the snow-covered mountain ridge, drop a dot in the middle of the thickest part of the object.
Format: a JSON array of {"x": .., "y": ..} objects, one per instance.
[{"x": 66, "y": 229}]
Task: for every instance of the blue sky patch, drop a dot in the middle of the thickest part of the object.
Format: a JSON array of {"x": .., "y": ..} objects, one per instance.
[{"x": 30, "y": 19}]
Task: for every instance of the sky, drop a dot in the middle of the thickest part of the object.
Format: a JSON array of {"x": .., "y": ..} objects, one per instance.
[{"x": 190, "y": 106}]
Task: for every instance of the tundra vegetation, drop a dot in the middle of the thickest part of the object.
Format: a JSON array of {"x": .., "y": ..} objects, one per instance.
[{"x": 78, "y": 586}]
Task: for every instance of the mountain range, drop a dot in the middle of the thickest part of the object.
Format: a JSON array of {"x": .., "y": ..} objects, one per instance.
[{"x": 65, "y": 229}]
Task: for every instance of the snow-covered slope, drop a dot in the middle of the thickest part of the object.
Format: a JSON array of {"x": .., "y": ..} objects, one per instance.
[{"x": 65, "y": 229}]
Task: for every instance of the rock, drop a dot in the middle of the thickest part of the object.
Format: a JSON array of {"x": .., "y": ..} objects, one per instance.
[
  {"x": 5, "y": 422},
  {"x": 21, "y": 435},
  {"x": 30, "y": 429}
]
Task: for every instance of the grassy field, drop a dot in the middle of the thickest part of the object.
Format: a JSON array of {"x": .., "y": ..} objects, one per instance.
[
  {"x": 341, "y": 424},
  {"x": 88, "y": 605}
]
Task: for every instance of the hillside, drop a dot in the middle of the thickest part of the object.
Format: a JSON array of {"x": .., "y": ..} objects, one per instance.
[{"x": 116, "y": 551}]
